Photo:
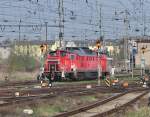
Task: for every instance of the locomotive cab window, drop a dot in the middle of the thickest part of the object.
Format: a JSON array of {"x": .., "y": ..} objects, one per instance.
[
  {"x": 53, "y": 53},
  {"x": 63, "y": 54}
]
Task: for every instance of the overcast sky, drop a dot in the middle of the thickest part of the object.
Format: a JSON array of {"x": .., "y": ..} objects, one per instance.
[{"x": 81, "y": 18}]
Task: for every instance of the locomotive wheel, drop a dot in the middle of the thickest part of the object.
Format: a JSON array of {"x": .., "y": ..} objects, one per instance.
[
  {"x": 38, "y": 77},
  {"x": 72, "y": 76},
  {"x": 81, "y": 75},
  {"x": 90, "y": 75}
]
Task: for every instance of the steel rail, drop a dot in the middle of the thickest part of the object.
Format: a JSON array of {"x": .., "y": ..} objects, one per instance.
[
  {"x": 75, "y": 92},
  {"x": 96, "y": 104},
  {"x": 26, "y": 91},
  {"x": 104, "y": 114}
]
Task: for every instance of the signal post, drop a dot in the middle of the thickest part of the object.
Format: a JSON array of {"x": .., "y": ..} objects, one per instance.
[
  {"x": 98, "y": 45},
  {"x": 43, "y": 49},
  {"x": 143, "y": 50}
]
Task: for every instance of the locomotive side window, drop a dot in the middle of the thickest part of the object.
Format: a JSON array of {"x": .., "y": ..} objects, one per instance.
[
  {"x": 63, "y": 54},
  {"x": 80, "y": 58},
  {"x": 72, "y": 57}
]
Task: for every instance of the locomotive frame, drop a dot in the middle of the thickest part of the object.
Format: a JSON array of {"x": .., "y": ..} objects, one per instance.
[{"x": 75, "y": 63}]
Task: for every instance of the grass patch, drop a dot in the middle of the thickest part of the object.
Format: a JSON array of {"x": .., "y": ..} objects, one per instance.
[
  {"x": 61, "y": 105},
  {"x": 21, "y": 63},
  {"x": 129, "y": 78},
  {"x": 77, "y": 82},
  {"x": 47, "y": 110},
  {"x": 143, "y": 112},
  {"x": 88, "y": 98}
]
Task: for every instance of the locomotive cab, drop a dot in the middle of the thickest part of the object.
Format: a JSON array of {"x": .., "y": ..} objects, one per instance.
[
  {"x": 58, "y": 63},
  {"x": 51, "y": 64}
]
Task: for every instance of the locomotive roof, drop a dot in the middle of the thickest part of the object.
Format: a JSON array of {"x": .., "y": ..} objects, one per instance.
[{"x": 82, "y": 51}]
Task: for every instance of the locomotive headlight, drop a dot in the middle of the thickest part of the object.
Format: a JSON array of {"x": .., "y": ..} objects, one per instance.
[{"x": 53, "y": 68}]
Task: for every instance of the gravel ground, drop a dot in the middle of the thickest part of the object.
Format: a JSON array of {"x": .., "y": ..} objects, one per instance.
[
  {"x": 142, "y": 103},
  {"x": 46, "y": 108},
  {"x": 18, "y": 76}
]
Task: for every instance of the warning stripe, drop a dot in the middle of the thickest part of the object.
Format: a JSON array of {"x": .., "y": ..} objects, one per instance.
[{"x": 107, "y": 82}]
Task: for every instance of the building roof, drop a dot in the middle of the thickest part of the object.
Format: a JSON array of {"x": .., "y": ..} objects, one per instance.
[{"x": 143, "y": 41}]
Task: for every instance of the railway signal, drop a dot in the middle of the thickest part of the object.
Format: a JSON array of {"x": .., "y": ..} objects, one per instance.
[
  {"x": 98, "y": 44},
  {"x": 143, "y": 49},
  {"x": 43, "y": 47}
]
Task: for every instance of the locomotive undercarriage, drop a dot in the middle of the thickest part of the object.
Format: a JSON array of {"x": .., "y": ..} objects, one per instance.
[
  {"x": 54, "y": 74},
  {"x": 57, "y": 76}
]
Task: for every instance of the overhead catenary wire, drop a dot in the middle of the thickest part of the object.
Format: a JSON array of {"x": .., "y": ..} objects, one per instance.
[{"x": 46, "y": 14}]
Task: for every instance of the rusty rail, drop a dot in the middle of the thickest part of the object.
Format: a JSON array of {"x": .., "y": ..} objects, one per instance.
[
  {"x": 49, "y": 93},
  {"x": 117, "y": 108},
  {"x": 98, "y": 103}
]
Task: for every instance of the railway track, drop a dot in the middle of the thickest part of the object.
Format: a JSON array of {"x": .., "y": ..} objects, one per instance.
[
  {"x": 56, "y": 89},
  {"x": 49, "y": 93},
  {"x": 32, "y": 91},
  {"x": 17, "y": 83},
  {"x": 8, "y": 95},
  {"x": 33, "y": 82},
  {"x": 20, "y": 84},
  {"x": 107, "y": 106},
  {"x": 24, "y": 93}
]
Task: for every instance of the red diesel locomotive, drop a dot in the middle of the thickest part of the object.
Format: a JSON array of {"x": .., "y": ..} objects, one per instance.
[{"x": 75, "y": 63}]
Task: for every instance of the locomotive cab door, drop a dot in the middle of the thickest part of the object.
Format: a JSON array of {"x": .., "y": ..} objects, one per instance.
[
  {"x": 53, "y": 67},
  {"x": 73, "y": 66},
  {"x": 109, "y": 65},
  {"x": 72, "y": 61}
]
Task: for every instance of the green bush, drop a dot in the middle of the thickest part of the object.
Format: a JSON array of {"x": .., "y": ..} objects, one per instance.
[
  {"x": 21, "y": 63},
  {"x": 143, "y": 112}
]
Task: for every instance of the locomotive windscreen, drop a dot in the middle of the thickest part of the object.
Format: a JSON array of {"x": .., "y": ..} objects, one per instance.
[
  {"x": 88, "y": 51},
  {"x": 52, "y": 53},
  {"x": 81, "y": 50},
  {"x": 72, "y": 49}
]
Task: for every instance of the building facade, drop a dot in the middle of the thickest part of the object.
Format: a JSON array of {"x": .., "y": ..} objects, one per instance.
[{"x": 143, "y": 55}]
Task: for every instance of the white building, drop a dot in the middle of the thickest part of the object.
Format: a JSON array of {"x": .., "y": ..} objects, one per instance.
[{"x": 4, "y": 52}]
